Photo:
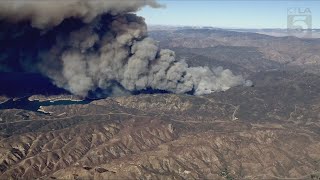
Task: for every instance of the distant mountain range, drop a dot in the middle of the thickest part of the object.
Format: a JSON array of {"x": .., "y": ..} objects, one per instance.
[
  {"x": 278, "y": 32},
  {"x": 250, "y": 50}
]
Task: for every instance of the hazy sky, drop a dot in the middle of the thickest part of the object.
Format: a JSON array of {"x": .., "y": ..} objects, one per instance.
[{"x": 237, "y": 13}]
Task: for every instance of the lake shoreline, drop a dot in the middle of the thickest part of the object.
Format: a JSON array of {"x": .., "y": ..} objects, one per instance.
[{"x": 37, "y": 105}]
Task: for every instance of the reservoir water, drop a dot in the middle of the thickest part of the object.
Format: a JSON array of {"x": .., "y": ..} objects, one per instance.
[
  {"x": 20, "y": 84},
  {"x": 25, "y": 104}
]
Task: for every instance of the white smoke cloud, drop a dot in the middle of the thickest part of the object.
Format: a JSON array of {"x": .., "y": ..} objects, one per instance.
[{"x": 113, "y": 49}]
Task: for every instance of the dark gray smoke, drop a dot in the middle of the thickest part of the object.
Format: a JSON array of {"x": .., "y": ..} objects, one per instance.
[{"x": 84, "y": 45}]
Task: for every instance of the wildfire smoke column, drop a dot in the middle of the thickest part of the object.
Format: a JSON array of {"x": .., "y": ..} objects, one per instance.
[{"x": 84, "y": 45}]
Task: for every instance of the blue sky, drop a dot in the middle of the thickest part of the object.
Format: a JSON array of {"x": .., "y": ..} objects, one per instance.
[{"x": 228, "y": 13}]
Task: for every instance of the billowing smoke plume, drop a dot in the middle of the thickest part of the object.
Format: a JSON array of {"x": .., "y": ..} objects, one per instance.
[{"x": 84, "y": 45}]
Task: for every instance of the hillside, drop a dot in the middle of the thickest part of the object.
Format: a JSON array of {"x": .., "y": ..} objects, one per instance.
[{"x": 244, "y": 133}]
